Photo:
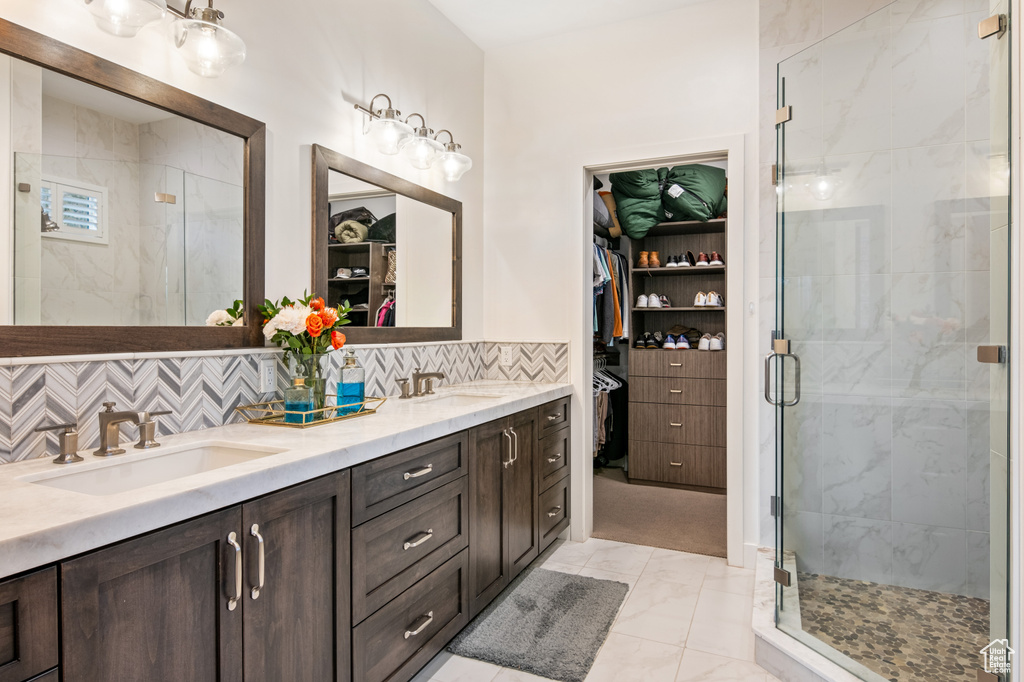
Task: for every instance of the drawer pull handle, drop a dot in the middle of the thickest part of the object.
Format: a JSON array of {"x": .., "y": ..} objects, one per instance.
[
  {"x": 675, "y": 390},
  {"x": 261, "y": 563},
  {"x": 675, "y": 464},
  {"x": 552, "y": 460},
  {"x": 422, "y": 472},
  {"x": 674, "y": 424},
  {"x": 553, "y": 417},
  {"x": 233, "y": 541},
  {"x": 675, "y": 364},
  {"x": 423, "y": 626},
  {"x": 416, "y": 543},
  {"x": 554, "y": 512}
]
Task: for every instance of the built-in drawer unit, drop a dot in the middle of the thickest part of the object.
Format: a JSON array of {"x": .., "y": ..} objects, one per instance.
[
  {"x": 398, "y": 640},
  {"x": 553, "y": 508},
  {"x": 677, "y": 391},
  {"x": 393, "y": 551},
  {"x": 685, "y": 424},
  {"x": 552, "y": 416},
  {"x": 384, "y": 484},
  {"x": 553, "y": 458},
  {"x": 28, "y": 625},
  {"x": 690, "y": 364},
  {"x": 693, "y": 465}
]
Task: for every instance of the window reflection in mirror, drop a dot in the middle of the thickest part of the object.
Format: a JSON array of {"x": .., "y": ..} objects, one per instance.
[
  {"x": 124, "y": 214},
  {"x": 389, "y": 255}
]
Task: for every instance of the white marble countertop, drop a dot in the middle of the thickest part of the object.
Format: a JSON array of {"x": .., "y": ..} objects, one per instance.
[{"x": 40, "y": 524}]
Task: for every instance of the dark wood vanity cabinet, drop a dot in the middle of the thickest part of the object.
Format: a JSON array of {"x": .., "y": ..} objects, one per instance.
[
  {"x": 185, "y": 603},
  {"x": 28, "y": 626}
]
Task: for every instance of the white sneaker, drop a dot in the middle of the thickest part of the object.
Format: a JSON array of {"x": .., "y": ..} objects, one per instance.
[
  {"x": 700, "y": 300},
  {"x": 715, "y": 300},
  {"x": 705, "y": 342},
  {"x": 717, "y": 342},
  {"x": 641, "y": 301},
  {"x": 653, "y": 301}
]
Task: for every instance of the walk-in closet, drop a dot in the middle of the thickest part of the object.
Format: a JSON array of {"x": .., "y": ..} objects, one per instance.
[{"x": 660, "y": 348}]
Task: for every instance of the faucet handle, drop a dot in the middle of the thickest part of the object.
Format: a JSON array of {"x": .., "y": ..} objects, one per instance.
[
  {"x": 404, "y": 384},
  {"x": 68, "y": 439},
  {"x": 147, "y": 431},
  {"x": 110, "y": 406}
]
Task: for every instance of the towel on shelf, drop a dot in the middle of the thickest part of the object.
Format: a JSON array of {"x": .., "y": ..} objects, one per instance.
[{"x": 351, "y": 232}]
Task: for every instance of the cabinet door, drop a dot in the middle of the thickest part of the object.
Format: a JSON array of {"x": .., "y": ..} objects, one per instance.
[
  {"x": 490, "y": 451},
  {"x": 297, "y": 625},
  {"x": 520, "y": 490},
  {"x": 156, "y": 608},
  {"x": 28, "y": 625}
]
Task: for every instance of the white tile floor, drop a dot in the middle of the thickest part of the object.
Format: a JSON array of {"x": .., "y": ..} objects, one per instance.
[{"x": 686, "y": 618}]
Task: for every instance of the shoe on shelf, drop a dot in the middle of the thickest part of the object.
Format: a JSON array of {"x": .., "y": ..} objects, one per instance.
[
  {"x": 715, "y": 300},
  {"x": 700, "y": 300},
  {"x": 716, "y": 259},
  {"x": 665, "y": 303},
  {"x": 653, "y": 301},
  {"x": 717, "y": 341},
  {"x": 658, "y": 339},
  {"x": 683, "y": 261},
  {"x": 670, "y": 343},
  {"x": 643, "y": 262},
  {"x": 654, "y": 260},
  {"x": 705, "y": 342},
  {"x": 651, "y": 342},
  {"x": 641, "y": 341},
  {"x": 682, "y": 343},
  {"x": 671, "y": 262},
  {"x": 690, "y": 259},
  {"x": 641, "y": 301},
  {"x": 702, "y": 259}
]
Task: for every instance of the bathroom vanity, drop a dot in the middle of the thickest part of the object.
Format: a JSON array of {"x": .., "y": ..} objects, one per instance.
[{"x": 352, "y": 551}]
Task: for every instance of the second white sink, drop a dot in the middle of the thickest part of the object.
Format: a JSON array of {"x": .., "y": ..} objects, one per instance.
[{"x": 139, "y": 470}]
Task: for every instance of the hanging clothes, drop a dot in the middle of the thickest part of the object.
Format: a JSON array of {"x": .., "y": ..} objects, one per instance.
[{"x": 611, "y": 309}]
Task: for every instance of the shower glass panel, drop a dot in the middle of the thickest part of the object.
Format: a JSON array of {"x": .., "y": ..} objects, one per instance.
[{"x": 892, "y": 392}]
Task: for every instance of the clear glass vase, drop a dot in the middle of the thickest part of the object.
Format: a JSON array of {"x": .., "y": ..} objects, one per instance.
[{"x": 314, "y": 369}]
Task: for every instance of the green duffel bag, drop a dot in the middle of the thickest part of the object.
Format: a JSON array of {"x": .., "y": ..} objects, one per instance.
[
  {"x": 694, "y": 192},
  {"x": 638, "y": 200}
]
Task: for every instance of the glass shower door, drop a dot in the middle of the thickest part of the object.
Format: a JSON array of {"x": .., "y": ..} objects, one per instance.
[{"x": 890, "y": 375}]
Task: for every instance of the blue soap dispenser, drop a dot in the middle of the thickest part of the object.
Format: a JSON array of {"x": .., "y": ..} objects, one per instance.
[{"x": 298, "y": 398}]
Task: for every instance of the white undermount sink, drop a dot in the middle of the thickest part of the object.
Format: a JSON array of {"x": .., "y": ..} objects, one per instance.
[
  {"x": 461, "y": 399},
  {"x": 138, "y": 470}
]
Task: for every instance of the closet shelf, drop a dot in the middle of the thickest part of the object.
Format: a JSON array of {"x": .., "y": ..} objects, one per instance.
[
  {"x": 715, "y": 226},
  {"x": 338, "y": 280},
  {"x": 692, "y": 270},
  {"x": 356, "y": 246},
  {"x": 676, "y": 310}
]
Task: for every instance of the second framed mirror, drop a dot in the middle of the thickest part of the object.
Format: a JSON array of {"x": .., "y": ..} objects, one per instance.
[{"x": 391, "y": 248}]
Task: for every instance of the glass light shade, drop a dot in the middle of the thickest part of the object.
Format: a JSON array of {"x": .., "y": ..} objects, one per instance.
[
  {"x": 125, "y": 17},
  {"x": 453, "y": 164},
  {"x": 209, "y": 49},
  {"x": 421, "y": 151},
  {"x": 389, "y": 133}
]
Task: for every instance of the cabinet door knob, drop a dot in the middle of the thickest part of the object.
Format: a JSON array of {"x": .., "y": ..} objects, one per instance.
[
  {"x": 554, "y": 512},
  {"x": 419, "y": 472},
  {"x": 553, "y": 417},
  {"x": 675, "y": 464},
  {"x": 516, "y": 436},
  {"x": 419, "y": 541},
  {"x": 233, "y": 541},
  {"x": 552, "y": 460},
  {"x": 675, "y": 364},
  {"x": 429, "y": 619},
  {"x": 674, "y": 424},
  {"x": 510, "y": 460},
  {"x": 675, "y": 390},
  {"x": 261, "y": 562}
]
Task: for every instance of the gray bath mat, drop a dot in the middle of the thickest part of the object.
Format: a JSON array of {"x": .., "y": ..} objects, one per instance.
[{"x": 546, "y": 623}]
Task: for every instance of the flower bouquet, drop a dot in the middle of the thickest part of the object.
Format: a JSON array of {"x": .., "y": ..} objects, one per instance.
[
  {"x": 230, "y": 317},
  {"x": 308, "y": 330}
]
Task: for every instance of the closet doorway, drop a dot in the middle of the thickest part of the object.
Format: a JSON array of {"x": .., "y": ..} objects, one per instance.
[{"x": 662, "y": 355}]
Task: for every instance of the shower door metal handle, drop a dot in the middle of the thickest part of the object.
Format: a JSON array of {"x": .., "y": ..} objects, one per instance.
[{"x": 768, "y": 376}]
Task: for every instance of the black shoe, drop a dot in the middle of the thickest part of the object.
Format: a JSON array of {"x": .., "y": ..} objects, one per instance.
[
  {"x": 641, "y": 341},
  {"x": 657, "y": 340},
  {"x": 690, "y": 258},
  {"x": 650, "y": 342}
]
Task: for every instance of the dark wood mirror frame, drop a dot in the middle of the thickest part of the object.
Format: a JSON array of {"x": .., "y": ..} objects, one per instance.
[
  {"x": 326, "y": 160},
  {"x": 24, "y": 340}
]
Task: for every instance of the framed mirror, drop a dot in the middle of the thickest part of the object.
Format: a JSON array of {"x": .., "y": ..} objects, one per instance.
[
  {"x": 138, "y": 208},
  {"x": 391, "y": 248}
]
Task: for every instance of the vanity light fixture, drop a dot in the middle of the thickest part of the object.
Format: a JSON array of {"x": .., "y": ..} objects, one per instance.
[
  {"x": 125, "y": 17},
  {"x": 452, "y": 162},
  {"x": 386, "y": 128},
  {"x": 421, "y": 150}
]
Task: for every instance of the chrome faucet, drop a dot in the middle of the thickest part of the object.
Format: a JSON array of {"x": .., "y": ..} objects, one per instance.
[
  {"x": 417, "y": 379},
  {"x": 110, "y": 429}
]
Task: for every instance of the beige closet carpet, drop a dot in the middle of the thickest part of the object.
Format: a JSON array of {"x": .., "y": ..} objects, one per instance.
[{"x": 682, "y": 520}]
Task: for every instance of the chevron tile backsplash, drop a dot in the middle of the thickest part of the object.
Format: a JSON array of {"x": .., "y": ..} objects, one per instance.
[{"x": 203, "y": 391}]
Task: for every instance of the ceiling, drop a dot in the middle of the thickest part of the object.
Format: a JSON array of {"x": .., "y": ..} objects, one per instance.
[{"x": 494, "y": 23}]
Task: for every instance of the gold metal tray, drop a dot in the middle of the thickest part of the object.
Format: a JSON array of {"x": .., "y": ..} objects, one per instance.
[{"x": 272, "y": 413}]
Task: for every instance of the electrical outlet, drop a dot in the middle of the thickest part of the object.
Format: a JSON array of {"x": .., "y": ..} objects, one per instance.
[
  {"x": 506, "y": 356},
  {"x": 268, "y": 375}
]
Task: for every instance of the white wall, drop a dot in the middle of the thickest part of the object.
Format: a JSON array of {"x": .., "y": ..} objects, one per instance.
[
  {"x": 303, "y": 73},
  {"x": 604, "y": 94}
]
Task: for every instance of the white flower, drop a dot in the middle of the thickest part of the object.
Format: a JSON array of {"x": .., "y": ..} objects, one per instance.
[
  {"x": 219, "y": 318},
  {"x": 270, "y": 328},
  {"x": 239, "y": 321},
  {"x": 291, "y": 319}
]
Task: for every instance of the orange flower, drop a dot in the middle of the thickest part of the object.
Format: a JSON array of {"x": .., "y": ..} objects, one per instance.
[
  {"x": 317, "y": 304},
  {"x": 337, "y": 340},
  {"x": 329, "y": 316},
  {"x": 314, "y": 325}
]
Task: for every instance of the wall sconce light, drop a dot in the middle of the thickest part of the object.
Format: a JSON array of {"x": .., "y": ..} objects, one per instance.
[
  {"x": 206, "y": 46},
  {"x": 419, "y": 146}
]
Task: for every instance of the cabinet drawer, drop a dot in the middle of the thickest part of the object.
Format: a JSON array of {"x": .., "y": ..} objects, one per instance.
[
  {"x": 692, "y": 364},
  {"x": 52, "y": 676},
  {"x": 384, "y": 646},
  {"x": 552, "y": 416},
  {"x": 683, "y": 464},
  {"x": 28, "y": 625},
  {"x": 553, "y": 507},
  {"x": 395, "y": 550},
  {"x": 553, "y": 458},
  {"x": 686, "y": 424},
  {"x": 383, "y": 484},
  {"x": 677, "y": 391}
]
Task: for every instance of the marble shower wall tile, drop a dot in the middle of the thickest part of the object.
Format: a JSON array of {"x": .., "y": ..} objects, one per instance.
[
  {"x": 978, "y": 565},
  {"x": 857, "y": 457},
  {"x": 861, "y": 549},
  {"x": 929, "y": 558}
]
